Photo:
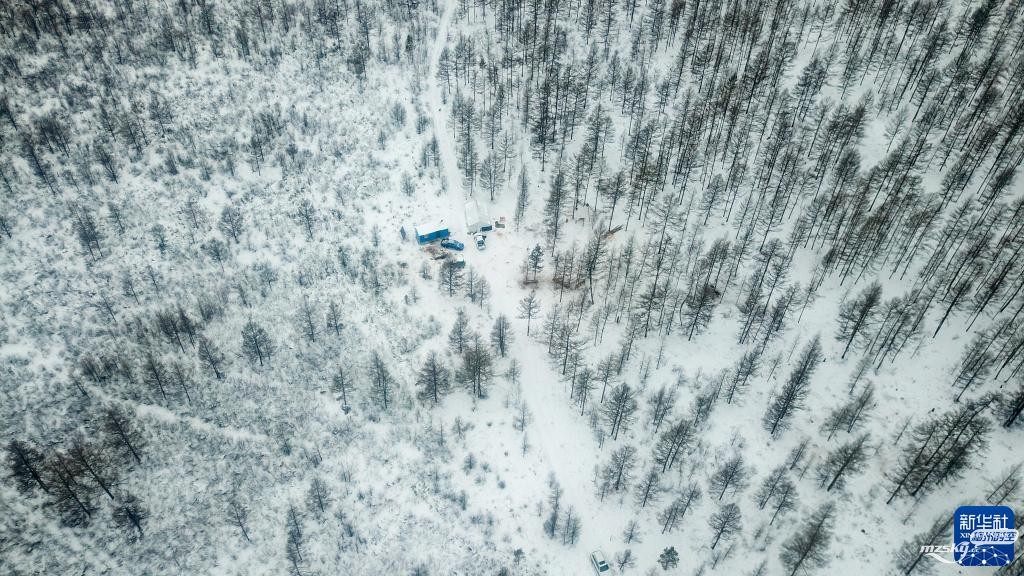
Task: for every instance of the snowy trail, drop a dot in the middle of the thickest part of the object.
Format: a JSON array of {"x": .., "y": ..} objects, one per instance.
[
  {"x": 170, "y": 417},
  {"x": 435, "y": 103},
  {"x": 559, "y": 436}
]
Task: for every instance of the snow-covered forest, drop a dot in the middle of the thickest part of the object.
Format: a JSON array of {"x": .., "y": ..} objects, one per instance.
[{"x": 752, "y": 303}]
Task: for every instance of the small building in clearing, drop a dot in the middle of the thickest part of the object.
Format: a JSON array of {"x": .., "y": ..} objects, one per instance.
[
  {"x": 477, "y": 218},
  {"x": 430, "y": 231}
]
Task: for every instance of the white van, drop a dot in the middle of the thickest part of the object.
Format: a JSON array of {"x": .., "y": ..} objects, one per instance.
[{"x": 597, "y": 559}]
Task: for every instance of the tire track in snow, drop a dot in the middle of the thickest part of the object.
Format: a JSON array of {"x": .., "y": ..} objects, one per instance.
[
  {"x": 439, "y": 116},
  {"x": 560, "y": 436}
]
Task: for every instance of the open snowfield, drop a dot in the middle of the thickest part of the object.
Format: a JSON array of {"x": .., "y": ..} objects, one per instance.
[{"x": 754, "y": 306}]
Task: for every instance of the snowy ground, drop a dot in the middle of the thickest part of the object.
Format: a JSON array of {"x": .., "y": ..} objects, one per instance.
[{"x": 411, "y": 488}]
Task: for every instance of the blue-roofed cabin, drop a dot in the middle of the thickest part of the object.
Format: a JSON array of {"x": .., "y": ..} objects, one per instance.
[{"x": 430, "y": 232}]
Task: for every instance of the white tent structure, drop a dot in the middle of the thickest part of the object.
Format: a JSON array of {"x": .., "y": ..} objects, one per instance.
[{"x": 477, "y": 218}]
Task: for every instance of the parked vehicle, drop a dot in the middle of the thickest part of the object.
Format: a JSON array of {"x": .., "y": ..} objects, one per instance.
[
  {"x": 597, "y": 559},
  {"x": 480, "y": 241},
  {"x": 452, "y": 244}
]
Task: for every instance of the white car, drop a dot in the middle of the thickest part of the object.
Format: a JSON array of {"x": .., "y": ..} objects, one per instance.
[
  {"x": 597, "y": 559},
  {"x": 479, "y": 241}
]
